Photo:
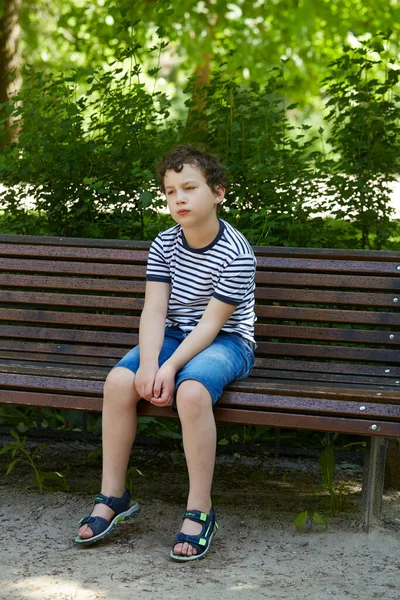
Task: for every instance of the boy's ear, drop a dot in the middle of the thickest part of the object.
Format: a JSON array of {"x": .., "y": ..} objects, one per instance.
[{"x": 219, "y": 193}]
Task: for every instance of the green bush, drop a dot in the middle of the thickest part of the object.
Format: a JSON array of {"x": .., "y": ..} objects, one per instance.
[{"x": 86, "y": 157}]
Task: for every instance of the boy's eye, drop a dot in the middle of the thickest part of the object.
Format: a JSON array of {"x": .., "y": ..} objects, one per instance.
[{"x": 190, "y": 188}]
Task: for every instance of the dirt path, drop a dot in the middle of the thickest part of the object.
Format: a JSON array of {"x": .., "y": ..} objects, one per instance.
[{"x": 257, "y": 553}]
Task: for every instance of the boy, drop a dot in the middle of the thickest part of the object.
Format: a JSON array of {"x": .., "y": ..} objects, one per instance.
[{"x": 196, "y": 336}]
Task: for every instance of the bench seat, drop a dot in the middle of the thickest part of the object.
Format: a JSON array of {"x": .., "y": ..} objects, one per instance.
[{"x": 328, "y": 334}]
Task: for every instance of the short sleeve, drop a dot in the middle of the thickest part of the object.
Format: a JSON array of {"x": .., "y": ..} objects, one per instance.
[
  {"x": 157, "y": 266},
  {"x": 237, "y": 280}
]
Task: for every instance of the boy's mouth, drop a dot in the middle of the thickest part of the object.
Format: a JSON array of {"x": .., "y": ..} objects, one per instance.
[{"x": 182, "y": 212}]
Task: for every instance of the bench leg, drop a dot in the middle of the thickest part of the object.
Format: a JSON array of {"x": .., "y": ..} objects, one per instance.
[{"x": 373, "y": 479}]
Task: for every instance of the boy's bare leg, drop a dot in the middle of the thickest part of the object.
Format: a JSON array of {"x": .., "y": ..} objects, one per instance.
[
  {"x": 119, "y": 429},
  {"x": 199, "y": 442}
]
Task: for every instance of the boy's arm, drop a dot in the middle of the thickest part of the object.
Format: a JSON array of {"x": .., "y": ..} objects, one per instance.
[
  {"x": 151, "y": 335},
  {"x": 214, "y": 318},
  {"x": 210, "y": 324}
]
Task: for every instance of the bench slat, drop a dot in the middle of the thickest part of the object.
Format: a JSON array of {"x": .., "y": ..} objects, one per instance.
[
  {"x": 288, "y": 365},
  {"x": 343, "y": 253},
  {"x": 136, "y": 287},
  {"x": 227, "y": 415},
  {"x": 98, "y": 368},
  {"x": 68, "y": 300},
  {"x": 129, "y": 322},
  {"x": 82, "y": 284},
  {"x": 342, "y": 266},
  {"x": 236, "y": 402},
  {"x": 95, "y": 386},
  {"x": 21, "y": 358},
  {"x": 323, "y": 280},
  {"x": 309, "y": 422},
  {"x": 71, "y": 318},
  {"x": 323, "y": 297},
  {"x": 71, "y": 335},
  {"x": 60, "y": 350},
  {"x": 329, "y": 352},
  {"x": 100, "y": 255},
  {"x": 270, "y": 348},
  {"x": 296, "y": 376},
  {"x": 355, "y": 317},
  {"x": 73, "y": 268}
]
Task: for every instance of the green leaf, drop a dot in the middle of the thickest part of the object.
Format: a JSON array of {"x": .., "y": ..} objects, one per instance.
[
  {"x": 7, "y": 448},
  {"x": 320, "y": 520},
  {"x": 301, "y": 519},
  {"x": 12, "y": 465}
]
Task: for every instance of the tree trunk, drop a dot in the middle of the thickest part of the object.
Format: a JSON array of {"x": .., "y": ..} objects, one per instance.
[
  {"x": 10, "y": 57},
  {"x": 195, "y": 124}
]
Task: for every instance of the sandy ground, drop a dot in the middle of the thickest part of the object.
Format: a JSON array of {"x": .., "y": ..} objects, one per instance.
[{"x": 257, "y": 553}]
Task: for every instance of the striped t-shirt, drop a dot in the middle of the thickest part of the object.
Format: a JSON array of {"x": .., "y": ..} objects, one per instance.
[{"x": 225, "y": 269}]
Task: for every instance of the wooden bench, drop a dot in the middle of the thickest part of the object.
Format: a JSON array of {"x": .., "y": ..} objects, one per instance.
[{"x": 328, "y": 336}]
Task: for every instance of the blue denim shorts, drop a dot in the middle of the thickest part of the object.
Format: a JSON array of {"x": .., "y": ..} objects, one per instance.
[{"x": 228, "y": 358}]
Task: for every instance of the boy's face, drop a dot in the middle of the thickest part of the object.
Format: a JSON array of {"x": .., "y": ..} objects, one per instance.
[{"x": 190, "y": 199}]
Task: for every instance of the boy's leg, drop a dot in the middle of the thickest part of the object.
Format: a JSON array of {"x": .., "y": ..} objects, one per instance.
[
  {"x": 119, "y": 429},
  {"x": 199, "y": 441}
]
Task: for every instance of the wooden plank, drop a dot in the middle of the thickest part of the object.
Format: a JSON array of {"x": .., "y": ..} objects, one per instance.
[
  {"x": 287, "y": 365},
  {"x": 295, "y": 376},
  {"x": 380, "y": 395},
  {"x": 313, "y": 423},
  {"x": 344, "y": 253},
  {"x": 328, "y": 315},
  {"x": 328, "y": 352},
  {"x": 72, "y": 268},
  {"x": 329, "y": 253},
  {"x": 55, "y": 359},
  {"x": 126, "y": 286},
  {"x": 325, "y": 280},
  {"x": 61, "y": 350},
  {"x": 82, "y": 254},
  {"x": 354, "y": 336},
  {"x": 127, "y": 322},
  {"x": 69, "y": 335},
  {"x": 46, "y": 369},
  {"x": 268, "y": 401},
  {"x": 70, "y": 318},
  {"x": 252, "y": 389},
  {"x": 68, "y": 300},
  {"x": 51, "y": 384},
  {"x": 328, "y": 266},
  {"x": 65, "y": 401},
  {"x": 229, "y": 415},
  {"x": 327, "y": 297},
  {"x": 47, "y": 240}
]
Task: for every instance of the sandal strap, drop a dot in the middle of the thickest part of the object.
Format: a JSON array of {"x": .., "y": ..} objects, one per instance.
[
  {"x": 118, "y": 505},
  {"x": 197, "y": 541},
  {"x": 96, "y": 524},
  {"x": 197, "y": 516}
]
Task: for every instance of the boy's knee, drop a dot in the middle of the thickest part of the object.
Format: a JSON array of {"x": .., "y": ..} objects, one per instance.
[
  {"x": 120, "y": 385},
  {"x": 192, "y": 399}
]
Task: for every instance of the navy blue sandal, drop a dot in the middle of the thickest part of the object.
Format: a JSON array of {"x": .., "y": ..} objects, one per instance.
[
  {"x": 124, "y": 509},
  {"x": 202, "y": 541}
]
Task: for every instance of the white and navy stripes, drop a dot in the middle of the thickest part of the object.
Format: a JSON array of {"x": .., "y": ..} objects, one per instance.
[{"x": 225, "y": 269}]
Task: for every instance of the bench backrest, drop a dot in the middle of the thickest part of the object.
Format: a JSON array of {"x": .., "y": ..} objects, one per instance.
[{"x": 79, "y": 300}]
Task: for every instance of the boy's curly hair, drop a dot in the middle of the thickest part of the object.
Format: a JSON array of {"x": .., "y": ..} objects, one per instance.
[{"x": 196, "y": 156}]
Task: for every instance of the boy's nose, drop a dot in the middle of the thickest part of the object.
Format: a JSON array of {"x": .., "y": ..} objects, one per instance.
[{"x": 181, "y": 197}]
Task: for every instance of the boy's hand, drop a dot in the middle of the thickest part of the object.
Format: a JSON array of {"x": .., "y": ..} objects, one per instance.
[
  {"x": 144, "y": 380},
  {"x": 164, "y": 386}
]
